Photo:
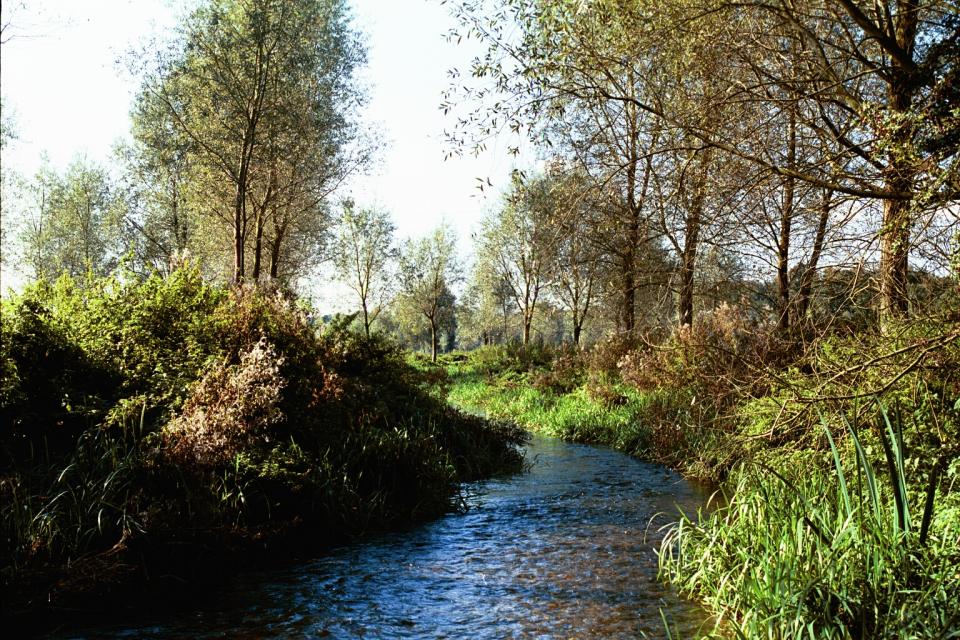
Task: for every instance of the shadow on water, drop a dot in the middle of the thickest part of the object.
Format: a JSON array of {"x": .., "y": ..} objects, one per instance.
[{"x": 566, "y": 550}]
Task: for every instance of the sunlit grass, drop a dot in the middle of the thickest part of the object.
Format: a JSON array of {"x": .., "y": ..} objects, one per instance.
[{"x": 802, "y": 552}]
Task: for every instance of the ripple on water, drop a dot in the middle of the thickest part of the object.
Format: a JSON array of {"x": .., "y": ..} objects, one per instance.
[{"x": 566, "y": 550}]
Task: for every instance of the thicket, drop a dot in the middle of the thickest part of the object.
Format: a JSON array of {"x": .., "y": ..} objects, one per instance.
[
  {"x": 836, "y": 456},
  {"x": 147, "y": 423}
]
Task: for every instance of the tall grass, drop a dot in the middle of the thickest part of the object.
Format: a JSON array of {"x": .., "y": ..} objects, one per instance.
[
  {"x": 658, "y": 424},
  {"x": 800, "y": 552},
  {"x": 57, "y": 512}
]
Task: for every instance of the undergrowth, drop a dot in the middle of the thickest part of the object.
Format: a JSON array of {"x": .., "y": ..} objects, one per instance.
[
  {"x": 836, "y": 456},
  {"x": 145, "y": 417}
]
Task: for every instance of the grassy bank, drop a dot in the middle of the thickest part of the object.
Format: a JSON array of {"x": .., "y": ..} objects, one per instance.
[
  {"x": 581, "y": 397},
  {"x": 838, "y": 460},
  {"x": 156, "y": 432}
]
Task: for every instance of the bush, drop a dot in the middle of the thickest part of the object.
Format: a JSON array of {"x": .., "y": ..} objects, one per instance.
[
  {"x": 140, "y": 412},
  {"x": 228, "y": 411},
  {"x": 721, "y": 353}
]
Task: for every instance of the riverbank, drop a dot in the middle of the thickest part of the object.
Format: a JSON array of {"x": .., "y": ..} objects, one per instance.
[
  {"x": 547, "y": 553},
  {"x": 841, "y": 513},
  {"x": 162, "y": 433}
]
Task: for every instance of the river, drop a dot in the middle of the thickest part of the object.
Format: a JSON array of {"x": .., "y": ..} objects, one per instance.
[{"x": 564, "y": 551}]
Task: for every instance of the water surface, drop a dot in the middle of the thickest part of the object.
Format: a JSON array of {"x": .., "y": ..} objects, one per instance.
[{"x": 565, "y": 551}]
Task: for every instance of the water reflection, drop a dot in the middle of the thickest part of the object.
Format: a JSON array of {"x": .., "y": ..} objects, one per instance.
[{"x": 563, "y": 551}]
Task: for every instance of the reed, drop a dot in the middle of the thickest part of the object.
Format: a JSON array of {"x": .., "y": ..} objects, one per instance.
[{"x": 801, "y": 552}]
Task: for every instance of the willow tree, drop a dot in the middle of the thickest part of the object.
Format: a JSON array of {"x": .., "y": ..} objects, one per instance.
[
  {"x": 363, "y": 255},
  {"x": 877, "y": 82},
  {"x": 261, "y": 92},
  {"x": 428, "y": 268}
]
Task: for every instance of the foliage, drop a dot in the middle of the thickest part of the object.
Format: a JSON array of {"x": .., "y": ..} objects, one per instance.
[
  {"x": 428, "y": 268},
  {"x": 227, "y": 410},
  {"x": 140, "y": 412},
  {"x": 75, "y": 222},
  {"x": 243, "y": 127},
  {"x": 855, "y": 552},
  {"x": 363, "y": 257}
]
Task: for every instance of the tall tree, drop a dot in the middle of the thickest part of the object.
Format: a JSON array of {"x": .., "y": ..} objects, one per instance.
[
  {"x": 363, "y": 256},
  {"x": 428, "y": 267},
  {"x": 262, "y": 91}
]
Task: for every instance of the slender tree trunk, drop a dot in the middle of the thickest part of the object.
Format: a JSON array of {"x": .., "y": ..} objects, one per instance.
[
  {"x": 629, "y": 293},
  {"x": 261, "y": 222},
  {"x": 810, "y": 273},
  {"x": 279, "y": 233},
  {"x": 630, "y": 260},
  {"x": 691, "y": 244},
  {"x": 434, "y": 340},
  {"x": 688, "y": 262},
  {"x": 786, "y": 221},
  {"x": 239, "y": 225},
  {"x": 258, "y": 247}
]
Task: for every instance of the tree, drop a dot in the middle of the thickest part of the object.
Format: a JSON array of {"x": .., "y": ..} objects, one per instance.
[
  {"x": 363, "y": 255},
  {"x": 75, "y": 224},
  {"x": 260, "y": 91},
  {"x": 428, "y": 267},
  {"x": 873, "y": 84},
  {"x": 519, "y": 244},
  {"x": 577, "y": 254}
]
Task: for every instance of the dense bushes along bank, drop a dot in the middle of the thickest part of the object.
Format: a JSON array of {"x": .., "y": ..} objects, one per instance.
[
  {"x": 839, "y": 462},
  {"x": 153, "y": 430}
]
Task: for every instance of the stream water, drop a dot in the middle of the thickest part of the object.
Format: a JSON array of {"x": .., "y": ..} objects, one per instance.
[{"x": 565, "y": 551}]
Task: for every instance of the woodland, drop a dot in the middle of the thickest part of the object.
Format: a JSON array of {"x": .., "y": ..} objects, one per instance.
[{"x": 738, "y": 256}]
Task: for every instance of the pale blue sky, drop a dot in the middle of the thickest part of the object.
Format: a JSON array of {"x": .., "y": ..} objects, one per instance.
[{"x": 60, "y": 79}]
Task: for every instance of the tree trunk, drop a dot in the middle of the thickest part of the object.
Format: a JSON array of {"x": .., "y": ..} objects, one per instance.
[
  {"x": 898, "y": 176},
  {"x": 786, "y": 221},
  {"x": 240, "y": 224},
  {"x": 366, "y": 318},
  {"x": 258, "y": 248},
  {"x": 629, "y": 295},
  {"x": 237, "y": 248},
  {"x": 810, "y": 273},
  {"x": 434, "y": 340},
  {"x": 688, "y": 262}
]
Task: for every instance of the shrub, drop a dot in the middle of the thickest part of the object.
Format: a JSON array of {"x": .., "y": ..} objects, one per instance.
[
  {"x": 229, "y": 410},
  {"x": 566, "y": 373},
  {"x": 722, "y": 352},
  {"x": 168, "y": 409},
  {"x": 605, "y": 355}
]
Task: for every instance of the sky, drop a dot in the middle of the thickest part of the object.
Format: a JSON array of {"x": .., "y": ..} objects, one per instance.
[{"x": 69, "y": 95}]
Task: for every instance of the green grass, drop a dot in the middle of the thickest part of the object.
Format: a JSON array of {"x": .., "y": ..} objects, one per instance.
[
  {"x": 659, "y": 425},
  {"x": 825, "y": 528},
  {"x": 574, "y": 416},
  {"x": 800, "y": 551}
]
